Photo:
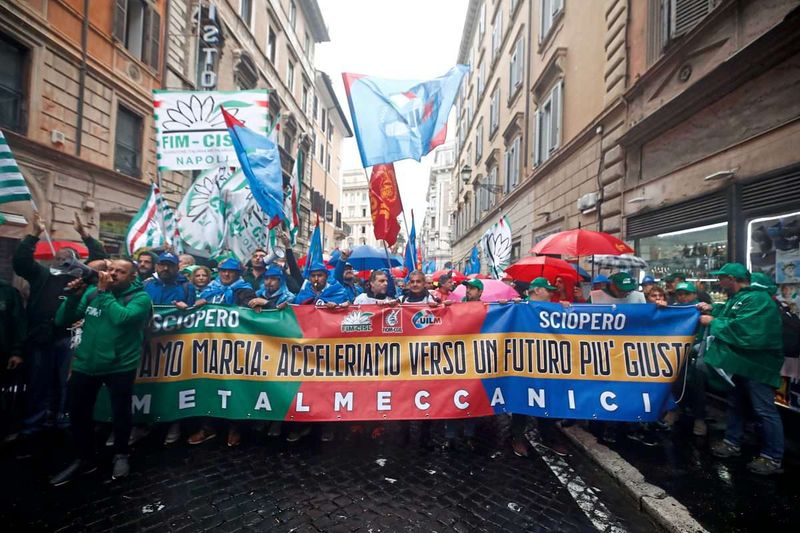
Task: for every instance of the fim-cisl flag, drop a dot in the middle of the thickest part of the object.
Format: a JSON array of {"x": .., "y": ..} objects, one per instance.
[
  {"x": 12, "y": 185},
  {"x": 497, "y": 246},
  {"x": 261, "y": 164},
  {"x": 153, "y": 225},
  {"x": 384, "y": 203}
]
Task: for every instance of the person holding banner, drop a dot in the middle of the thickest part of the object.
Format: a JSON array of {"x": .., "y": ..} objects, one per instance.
[
  {"x": 273, "y": 294},
  {"x": 377, "y": 290},
  {"x": 621, "y": 289},
  {"x": 415, "y": 292},
  {"x": 446, "y": 285},
  {"x": 746, "y": 340},
  {"x": 255, "y": 273},
  {"x": 230, "y": 288},
  {"x": 346, "y": 276},
  {"x": 318, "y": 290},
  {"x": 115, "y": 315}
]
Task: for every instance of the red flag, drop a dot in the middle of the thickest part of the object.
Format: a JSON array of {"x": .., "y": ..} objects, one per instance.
[{"x": 385, "y": 204}]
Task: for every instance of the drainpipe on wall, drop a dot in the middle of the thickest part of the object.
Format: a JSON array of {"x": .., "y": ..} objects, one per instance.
[
  {"x": 528, "y": 80},
  {"x": 165, "y": 40},
  {"x": 82, "y": 77},
  {"x": 600, "y": 181}
]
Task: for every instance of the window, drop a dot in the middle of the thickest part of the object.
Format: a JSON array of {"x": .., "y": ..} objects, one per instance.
[
  {"x": 548, "y": 124},
  {"x": 469, "y": 113},
  {"x": 323, "y": 121},
  {"x": 351, "y": 211},
  {"x": 314, "y": 145},
  {"x": 328, "y": 163},
  {"x": 304, "y": 101},
  {"x": 481, "y": 78},
  {"x": 494, "y": 111},
  {"x": 272, "y": 45},
  {"x": 482, "y": 19},
  {"x": 246, "y": 75},
  {"x": 330, "y": 131},
  {"x": 321, "y": 153},
  {"x": 137, "y": 25},
  {"x": 293, "y": 14},
  {"x": 514, "y": 4},
  {"x": 290, "y": 76},
  {"x": 669, "y": 19},
  {"x": 516, "y": 67},
  {"x": 316, "y": 105},
  {"x": 491, "y": 182},
  {"x": 497, "y": 32},
  {"x": 363, "y": 230},
  {"x": 246, "y": 11},
  {"x": 307, "y": 43},
  {"x": 13, "y": 59},
  {"x": 549, "y": 11},
  {"x": 479, "y": 141},
  {"x": 128, "y": 143},
  {"x": 512, "y": 162}
]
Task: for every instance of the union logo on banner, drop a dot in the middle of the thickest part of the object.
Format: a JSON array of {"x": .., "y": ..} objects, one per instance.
[
  {"x": 357, "y": 321},
  {"x": 424, "y": 318},
  {"x": 393, "y": 321}
]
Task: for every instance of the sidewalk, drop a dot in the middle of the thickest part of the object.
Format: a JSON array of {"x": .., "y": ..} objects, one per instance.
[{"x": 719, "y": 494}]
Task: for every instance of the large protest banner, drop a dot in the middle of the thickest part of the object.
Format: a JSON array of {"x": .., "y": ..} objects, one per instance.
[
  {"x": 191, "y": 133},
  {"x": 412, "y": 362}
]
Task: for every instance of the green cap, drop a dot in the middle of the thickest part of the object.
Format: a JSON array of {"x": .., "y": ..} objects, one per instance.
[
  {"x": 672, "y": 276},
  {"x": 478, "y": 284},
  {"x": 759, "y": 280},
  {"x": 735, "y": 270},
  {"x": 685, "y": 286},
  {"x": 541, "y": 282},
  {"x": 624, "y": 281}
]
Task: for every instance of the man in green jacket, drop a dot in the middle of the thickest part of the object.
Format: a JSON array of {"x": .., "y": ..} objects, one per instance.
[
  {"x": 745, "y": 340},
  {"x": 115, "y": 314}
]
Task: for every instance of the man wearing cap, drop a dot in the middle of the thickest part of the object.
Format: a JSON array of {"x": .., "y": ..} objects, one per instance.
[
  {"x": 319, "y": 290},
  {"x": 539, "y": 291},
  {"x": 621, "y": 290},
  {"x": 274, "y": 294},
  {"x": 600, "y": 283},
  {"x": 745, "y": 340},
  {"x": 648, "y": 282},
  {"x": 229, "y": 288},
  {"x": 344, "y": 274},
  {"x": 474, "y": 290},
  {"x": 170, "y": 287}
]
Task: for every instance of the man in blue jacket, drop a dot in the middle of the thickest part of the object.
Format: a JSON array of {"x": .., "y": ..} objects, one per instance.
[
  {"x": 346, "y": 276},
  {"x": 170, "y": 287}
]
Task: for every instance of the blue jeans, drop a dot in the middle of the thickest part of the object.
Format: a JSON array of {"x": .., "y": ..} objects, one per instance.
[
  {"x": 48, "y": 367},
  {"x": 762, "y": 398}
]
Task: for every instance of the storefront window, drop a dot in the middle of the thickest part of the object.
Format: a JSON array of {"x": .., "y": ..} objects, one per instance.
[
  {"x": 773, "y": 246},
  {"x": 694, "y": 252}
]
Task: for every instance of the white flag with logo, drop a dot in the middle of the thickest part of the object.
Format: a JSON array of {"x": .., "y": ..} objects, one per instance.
[{"x": 497, "y": 245}]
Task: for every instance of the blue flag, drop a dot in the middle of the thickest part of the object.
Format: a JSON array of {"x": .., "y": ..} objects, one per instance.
[
  {"x": 409, "y": 261},
  {"x": 474, "y": 265},
  {"x": 261, "y": 165},
  {"x": 400, "y": 119},
  {"x": 429, "y": 267},
  {"x": 314, "y": 259}
]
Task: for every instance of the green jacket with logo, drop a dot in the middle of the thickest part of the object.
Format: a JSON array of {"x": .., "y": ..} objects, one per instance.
[
  {"x": 746, "y": 337},
  {"x": 113, "y": 328}
]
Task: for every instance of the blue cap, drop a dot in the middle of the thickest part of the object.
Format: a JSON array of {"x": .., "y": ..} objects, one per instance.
[
  {"x": 648, "y": 280},
  {"x": 168, "y": 257},
  {"x": 600, "y": 279},
  {"x": 316, "y": 267},
  {"x": 273, "y": 271},
  {"x": 231, "y": 264}
]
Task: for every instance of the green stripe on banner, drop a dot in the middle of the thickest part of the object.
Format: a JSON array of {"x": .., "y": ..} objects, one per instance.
[
  {"x": 167, "y": 401},
  {"x": 3, "y": 141},
  {"x": 14, "y": 198},
  {"x": 11, "y": 183},
  {"x": 9, "y": 169}
]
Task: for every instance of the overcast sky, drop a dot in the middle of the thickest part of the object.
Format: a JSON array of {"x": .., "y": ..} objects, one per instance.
[{"x": 401, "y": 39}]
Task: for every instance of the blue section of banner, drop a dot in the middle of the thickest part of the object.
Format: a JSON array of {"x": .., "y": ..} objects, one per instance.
[
  {"x": 583, "y": 319},
  {"x": 579, "y": 399}
]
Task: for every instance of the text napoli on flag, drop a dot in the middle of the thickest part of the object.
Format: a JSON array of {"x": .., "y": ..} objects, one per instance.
[
  {"x": 400, "y": 119},
  {"x": 410, "y": 257},
  {"x": 261, "y": 164},
  {"x": 385, "y": 204},
  {"x": 12, "y": 185},
  {"x": 147, "y": 228}
]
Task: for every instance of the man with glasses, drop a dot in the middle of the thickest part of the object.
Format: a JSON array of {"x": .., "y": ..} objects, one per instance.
[{"x": 745, "y": 340}]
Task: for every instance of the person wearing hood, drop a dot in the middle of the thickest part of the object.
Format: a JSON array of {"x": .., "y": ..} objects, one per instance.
[
  {"x": 115, "y": 312},
  {"x": 377, "y": 291},
  {"x": 319, "y": 290},
  {"x": 229, "y": 288},
  {"x": 273, "y": 294},
  {"x": 746, "y": 342},
  {"x": 170, "y": 287},
  {"x": 346, "y": 276}
]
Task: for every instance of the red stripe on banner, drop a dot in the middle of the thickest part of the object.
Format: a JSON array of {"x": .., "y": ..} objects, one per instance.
[
  {"x": 143, "y": 228},
  {"x": 381, "y": 321},
  {"x": 156, "y": 103},
  {"x": 390, "y": 400}
]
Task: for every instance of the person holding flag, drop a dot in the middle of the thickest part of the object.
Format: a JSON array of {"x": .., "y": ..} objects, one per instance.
[
  {"x": 318, "y": 289},
  {"x": 346, "y": 276}
]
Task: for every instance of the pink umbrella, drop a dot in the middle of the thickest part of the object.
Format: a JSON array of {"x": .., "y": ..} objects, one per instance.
[{"x": 493, "y": 290}]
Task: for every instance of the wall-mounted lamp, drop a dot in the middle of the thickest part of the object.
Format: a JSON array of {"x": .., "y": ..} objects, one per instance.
[
  {"x": 721, "y": 175},
  {"x": 637, "y": 200},
  {"x": 466, "y": 173}
]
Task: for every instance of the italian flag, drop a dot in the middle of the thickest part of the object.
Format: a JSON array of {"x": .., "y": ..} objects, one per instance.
[
  {"x": 147, "y": 228},
  {"x": 291, "y": 202}
]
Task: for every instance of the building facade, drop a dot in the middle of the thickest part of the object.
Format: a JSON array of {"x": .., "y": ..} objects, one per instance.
[
  {"x": 435, "y": 235},
  {"x": 356, "y": 210},
  {"x": 539, "y": 117}
]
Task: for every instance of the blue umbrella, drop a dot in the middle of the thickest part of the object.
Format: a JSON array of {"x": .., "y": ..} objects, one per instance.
[
  {"x": 581, "y": 272},
  {"x": 370, "y": 258}
]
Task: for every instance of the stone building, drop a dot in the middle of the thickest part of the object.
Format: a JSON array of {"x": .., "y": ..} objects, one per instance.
[
  {"x": 435, "y": 234},
  {"x": 355, "y": 209},
  {"x": 539, "y": 117}
]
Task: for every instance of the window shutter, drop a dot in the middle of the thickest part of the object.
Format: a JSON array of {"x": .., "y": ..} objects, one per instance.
[
  {"x": 558, "y": 100},
  {"x": 686, "y": 14},
  {"x": 537, "y": 141},
  {"x": 542, "y": 17},
  {"x": 557, "y": 6},
  {"x": 120, "y": 19},
  {"x": 154, "y": 38}
]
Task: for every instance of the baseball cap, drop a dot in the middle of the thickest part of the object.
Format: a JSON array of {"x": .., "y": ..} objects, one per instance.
[
  {"x": 541, "y": 282},
  {"x": 599, "y": 279},
  {"x": 685, "y": 286},
  {"x": 168, "y": 257},
  {"x": 624, "y": 281},
  {"x": 672, "y": 276},
  {"x": 478, "y": 284},
  {"x": 735, "y": 270},
  {"x": 648, "y": 280},
  {"x": 231, "y": 264}
]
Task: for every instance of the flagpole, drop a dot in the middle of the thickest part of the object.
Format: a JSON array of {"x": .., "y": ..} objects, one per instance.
[{"x": 46, "y": 233}]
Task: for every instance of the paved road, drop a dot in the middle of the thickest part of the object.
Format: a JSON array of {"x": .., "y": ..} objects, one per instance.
[{"x": 353, "y": 485}]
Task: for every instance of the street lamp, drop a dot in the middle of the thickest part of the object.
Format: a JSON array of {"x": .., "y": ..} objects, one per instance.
[{"x": 466, "y": 174}]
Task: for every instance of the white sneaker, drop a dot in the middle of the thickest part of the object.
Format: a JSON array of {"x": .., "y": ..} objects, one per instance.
[
  {"x": 173, "y": 434},
  {"x": 138, "y": 433},
  {"x": 110, "y": 439}
]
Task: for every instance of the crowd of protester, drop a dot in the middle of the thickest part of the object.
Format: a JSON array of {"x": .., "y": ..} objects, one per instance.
[{"x": 75, "y": 334}]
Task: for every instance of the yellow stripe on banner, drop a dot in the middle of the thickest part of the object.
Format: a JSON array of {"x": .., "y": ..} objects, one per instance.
[{"x": 480, "y": 356}]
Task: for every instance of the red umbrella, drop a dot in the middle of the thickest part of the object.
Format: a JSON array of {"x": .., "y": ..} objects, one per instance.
[
  {"x": 478, "y": 276},
  {"x": 458, "y": 277},
  {"x": 43, "y": 251},
  {"x": 399, "y": 272},
  {"x": 530, "y": 268},
  {"x": 581, "y": 242},
  {"x": 302, "y": 262}
]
